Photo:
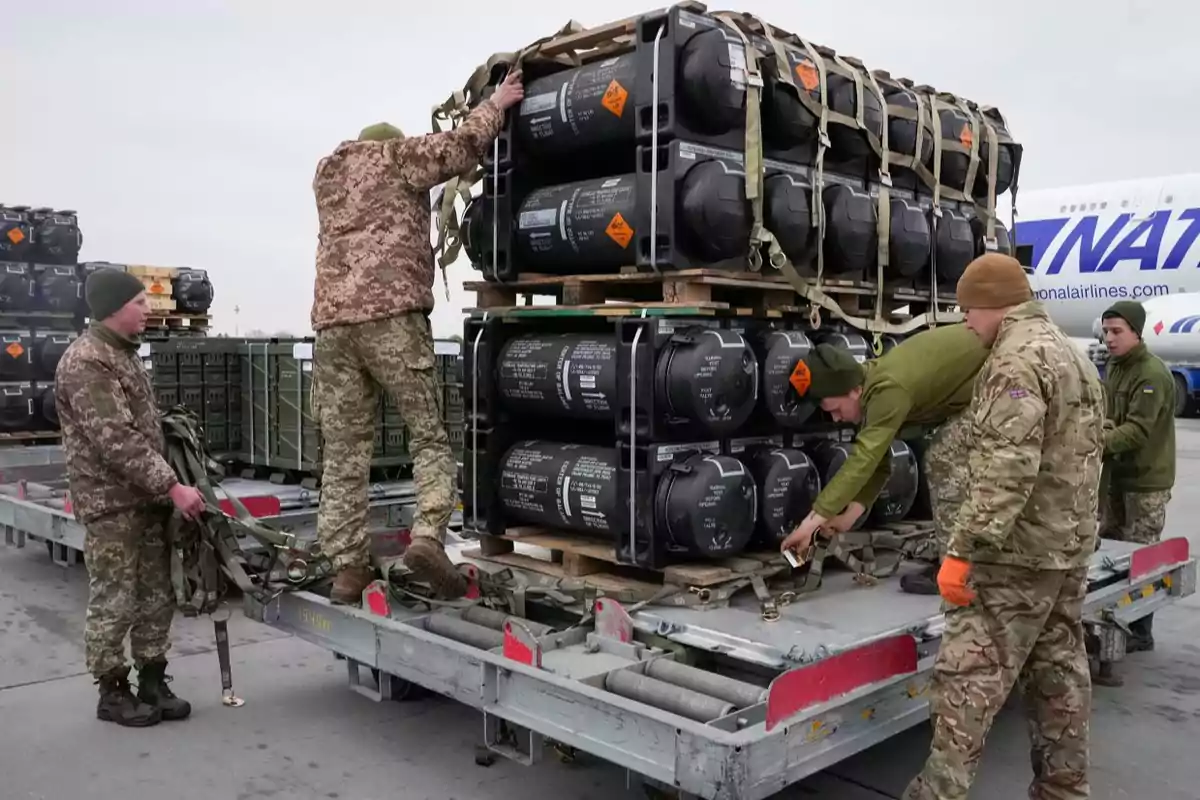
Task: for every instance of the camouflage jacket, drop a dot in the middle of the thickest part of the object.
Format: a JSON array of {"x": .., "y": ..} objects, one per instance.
[
  {"x": 111, "y": 427},
  {"x": 374, "y": 257},
  {"x": 1038, "y": 430}
]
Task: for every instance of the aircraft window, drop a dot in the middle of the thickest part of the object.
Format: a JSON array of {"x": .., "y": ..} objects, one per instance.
[
  {"x": 1124, "y": 204},
  {"x": 1072, "y": 206},
  {"x": 1092, "y": 207},
  {"x": 1063, "y": 210},
  {"x": 1103, "y": 205},
  {"x": 1170, "y": 198}
]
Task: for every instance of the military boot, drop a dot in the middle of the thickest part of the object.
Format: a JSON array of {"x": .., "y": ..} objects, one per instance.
[
  {"x": 923, "y": 582},
  {"x": 1141, "y": 635},
  {"x": 118, "y": 704},
  {"x": 429, "y": 563},
  {"x": 153, "y": 690},
  {"x": 349, "y": 584}
]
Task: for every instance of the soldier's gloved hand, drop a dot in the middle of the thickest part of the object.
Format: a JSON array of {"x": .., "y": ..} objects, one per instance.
[{"x": 952, "y": 581}]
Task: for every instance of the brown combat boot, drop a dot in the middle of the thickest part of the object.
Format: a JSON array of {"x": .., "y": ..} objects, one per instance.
[
  {"x": 118, "y": 704},
  {"x": 349, "y": 584},
  {"x": 428, "y": 560},
  {"x": 154, "y": 691}
]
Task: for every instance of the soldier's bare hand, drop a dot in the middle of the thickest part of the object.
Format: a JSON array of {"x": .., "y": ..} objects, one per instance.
[
  {"x": 188, "y": 500},
  {"x": 511, "y": 92}
]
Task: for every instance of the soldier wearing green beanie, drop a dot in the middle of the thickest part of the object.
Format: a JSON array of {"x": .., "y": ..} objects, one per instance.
[
  {"x": 1139, "y": 446},
  {"x": 119, "y": 478},
  {"x": 923, "y": 383}
]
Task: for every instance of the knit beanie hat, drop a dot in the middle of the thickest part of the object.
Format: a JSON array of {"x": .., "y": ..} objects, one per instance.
[
  {"x": 108, "y": 290},
  {"x": 380, "y": 131},
  {"x": 1129, "y": 310},
  {"x": 993, "y": 281},
  {"x": 827, "y": 371}
]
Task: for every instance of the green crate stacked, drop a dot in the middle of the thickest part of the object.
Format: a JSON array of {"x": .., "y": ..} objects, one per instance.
[
  {"x": 279, "y": 429},
  {"x": 449, "y": 365},
  {"x": 202, "y": 375}
]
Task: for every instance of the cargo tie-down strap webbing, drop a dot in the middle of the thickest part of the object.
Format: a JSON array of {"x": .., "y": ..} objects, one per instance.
[
  {"x": 454, "y": 110},
  {"x": 755, "y": 172},
  {"x": 202, "y": 549}
]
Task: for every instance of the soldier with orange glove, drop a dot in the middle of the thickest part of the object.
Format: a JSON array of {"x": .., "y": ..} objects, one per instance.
[{"x": 1015, "y": 575}]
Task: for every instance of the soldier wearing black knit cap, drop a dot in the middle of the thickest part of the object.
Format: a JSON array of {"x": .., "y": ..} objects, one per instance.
[{"x": 122, "y": 492}]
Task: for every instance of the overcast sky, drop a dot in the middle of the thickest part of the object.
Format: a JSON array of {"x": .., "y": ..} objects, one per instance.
[{"x": 189, "y": 136}]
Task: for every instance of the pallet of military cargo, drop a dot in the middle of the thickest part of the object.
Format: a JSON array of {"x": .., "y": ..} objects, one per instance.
[
  {"x": 631, "y": 148},
  {"x": 705, "y": 291}
]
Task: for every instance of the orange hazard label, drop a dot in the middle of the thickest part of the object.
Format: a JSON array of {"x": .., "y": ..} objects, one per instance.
[
  {"x": 801, "y": 378},
  {"x": 15, "y": 350},
  {"x": 15, "y": 236},
  {"x": 614, "y": 98},
  {"x": 156, "y": 288},
  {"x": 810, "y": 79},
  {"x": 619, "y": 231},
  {"x": 965, "y": 136}
]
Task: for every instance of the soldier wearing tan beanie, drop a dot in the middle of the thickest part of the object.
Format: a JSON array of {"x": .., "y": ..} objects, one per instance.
[
  {"x": 990, "y": 287},
  {"x": 1015, "y": 573}
]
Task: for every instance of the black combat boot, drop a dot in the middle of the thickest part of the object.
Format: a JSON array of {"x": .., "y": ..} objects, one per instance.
[
  {"x": 153, "y": 689},
  {"x": 1141, "y": 638},
  {"x": 923, "y": 582},
  {"x": 117, "y": 703}
]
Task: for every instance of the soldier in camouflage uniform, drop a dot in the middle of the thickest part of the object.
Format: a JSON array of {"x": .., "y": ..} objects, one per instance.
[
  {"x": 371, "y": 307},
  {"x": 1139, "y": 447},
  {"x": 1015, "y": 574},
  {"x": 923, "y": 383},
  {"x": 122, "y": 491}
]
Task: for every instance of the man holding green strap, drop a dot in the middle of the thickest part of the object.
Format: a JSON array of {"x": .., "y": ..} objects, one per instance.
[{"x": 924, "y": 381}]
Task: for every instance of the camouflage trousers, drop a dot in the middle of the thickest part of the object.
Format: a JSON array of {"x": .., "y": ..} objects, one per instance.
[
  {"x": 1024, "y": 626},
  {"x": 946, "y": 472},
  {"x": 353, "y": 364},
  {"x": 129, "y": 587},
  {"x": 1137, "y": 517}
]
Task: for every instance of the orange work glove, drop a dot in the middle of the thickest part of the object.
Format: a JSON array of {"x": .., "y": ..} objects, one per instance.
[{"x": 952, "y": 581}]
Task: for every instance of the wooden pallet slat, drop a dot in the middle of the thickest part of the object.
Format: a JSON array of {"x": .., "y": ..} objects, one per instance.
[
  {"x": 705, "y": 291},
  {"x": 578, "y": 556}
]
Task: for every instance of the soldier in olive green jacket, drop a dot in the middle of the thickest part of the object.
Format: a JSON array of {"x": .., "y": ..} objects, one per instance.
[
  {"x": 1139, "y": 444},
  {"x": 925, "y": 381}
]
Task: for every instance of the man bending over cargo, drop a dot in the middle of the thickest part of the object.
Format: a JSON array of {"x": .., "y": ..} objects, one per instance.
[
  {"x": 370, "y": 311},
  {"x": 922, "y": 383}
]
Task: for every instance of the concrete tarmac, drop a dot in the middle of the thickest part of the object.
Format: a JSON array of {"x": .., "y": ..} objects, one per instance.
[{"x": 302, "y": 735}]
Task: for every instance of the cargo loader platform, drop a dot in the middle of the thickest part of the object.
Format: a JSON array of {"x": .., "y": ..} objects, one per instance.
[
  {"x": 718, "y": 703},
  {"x": 35, "y": 504}
]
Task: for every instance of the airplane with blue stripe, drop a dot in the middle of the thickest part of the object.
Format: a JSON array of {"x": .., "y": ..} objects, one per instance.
[{"x": 1089, "y": 246}]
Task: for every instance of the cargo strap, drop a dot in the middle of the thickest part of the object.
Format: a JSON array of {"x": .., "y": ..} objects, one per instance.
[
  {"x": 754, "y": 168},
  {"x": 454, "y": 111},
  {"x": 203, "y": 550}
]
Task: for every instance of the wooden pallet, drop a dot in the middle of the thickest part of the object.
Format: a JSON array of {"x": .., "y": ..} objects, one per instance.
[
  {"x": 704, "y": 292},
  {"x": 576, "y": 556},
  {"x": 174, "y": 322},
  {"x": 29, "y": 438}
]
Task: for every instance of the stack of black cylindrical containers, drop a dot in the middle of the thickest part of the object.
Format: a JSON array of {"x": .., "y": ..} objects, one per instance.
[
  {"x": 682, "y": 438},
  {"x": 40, "y": 311}
]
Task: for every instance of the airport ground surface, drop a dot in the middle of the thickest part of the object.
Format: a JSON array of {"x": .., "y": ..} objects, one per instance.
[{"x": 302, "y": 735}]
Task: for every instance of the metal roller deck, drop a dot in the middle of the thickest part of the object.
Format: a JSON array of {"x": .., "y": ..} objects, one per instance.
[{"x": 843, "y": 669}]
